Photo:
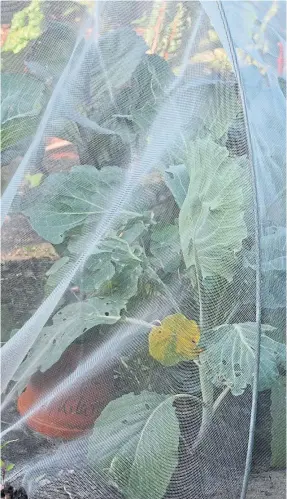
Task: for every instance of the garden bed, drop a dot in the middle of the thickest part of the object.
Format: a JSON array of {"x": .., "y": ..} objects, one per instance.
[{"x": 215, "y": 472}]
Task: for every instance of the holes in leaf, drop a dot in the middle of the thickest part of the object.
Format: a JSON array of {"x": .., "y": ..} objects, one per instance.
[
  {"x": 107, "y": 314},
  {"x": 171, "y": 175},
  {"x": 237, "y": 370}
]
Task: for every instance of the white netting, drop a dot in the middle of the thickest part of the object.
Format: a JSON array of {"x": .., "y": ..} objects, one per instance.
[{"x": 143, "y": 246}]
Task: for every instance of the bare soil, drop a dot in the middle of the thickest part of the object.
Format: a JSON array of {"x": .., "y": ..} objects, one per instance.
[
  {"x": 88, "y": 485},
  {"x": 267, "y": 484}
]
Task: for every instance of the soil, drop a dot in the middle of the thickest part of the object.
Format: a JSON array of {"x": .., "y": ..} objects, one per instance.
[
  {"x": 8, "y": 492},
  {"x": 25, "y": 259},
  {"x": 17, "y": 234},
  {"x": 79, "y": 484},
  {"x": 266, "y": 484}
]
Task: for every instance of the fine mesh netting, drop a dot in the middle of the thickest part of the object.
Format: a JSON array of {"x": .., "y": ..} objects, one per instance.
[{"x": 143, "y": 248}]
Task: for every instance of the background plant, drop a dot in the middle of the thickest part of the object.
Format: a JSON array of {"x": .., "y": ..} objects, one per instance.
[{"x": 5, "y": 465}]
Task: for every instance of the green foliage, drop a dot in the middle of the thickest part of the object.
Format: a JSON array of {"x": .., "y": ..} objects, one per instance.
[
  {"x": 138, "y": 89},
  {"x": 112, "y": 269},
  {"x": 120, "y": 52},
  {"x": 229, "y": 358},
  {"x": 225, "y": 107},
  {"x": 211, "y": 220},
  {"x": 142, "y": 453},
  {"x": 149, "y": 83},
  {"x": 5, "y": 465},
  {"x": 26, "y": 26},
  {"x": 57, "y": 266},
  {"x": 22, "y": 101},
  {"x": 164, "y": 27},
  {"x": 68, "y": 324},
  {"x": 47, "y": 60},
  {"x": 177, "y": 180},
  {"x": 165, "y": 247},
  {"x": 273, "y": 265},
  {"x": 68, "y": 200}
]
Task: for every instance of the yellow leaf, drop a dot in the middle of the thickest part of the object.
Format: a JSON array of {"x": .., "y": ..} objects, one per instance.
[{"x": 175, "y": 340}]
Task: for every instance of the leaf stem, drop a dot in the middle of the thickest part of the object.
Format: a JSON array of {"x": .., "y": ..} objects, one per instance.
[
  {"x": 199, "y": 290},
  {"x": 205, "y": 384},
  {"x": 232, "y": 313},
  {"x": 137, "y": 322},
  {"x": 207, "y": 398},
  {"x": 220, "y": 398}
]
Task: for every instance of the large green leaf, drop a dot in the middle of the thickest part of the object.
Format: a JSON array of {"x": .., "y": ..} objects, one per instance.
[
  {"x": 273, "y": 266},
  {"x": 117, "y": 56},
  {"x": 22, "y": 96},
  {"x": 15, "y": 130},
  {"x": 68, "y": 324},
  {"x": 177, "y": 180},
  {"x": 231, "y": 354},
  {"x": 48, "y": 60},
  {"x": 147, "y": 90},
  {"x": 108, "y": 66},
  {"x": 124, "y": 284},
  {"x": 223, "y": 110},
  {"x": 123, "y": 106},
  {"x": 135, "y": 443},
  {"x": 211, "y": 220},
  {"x": 96, "y": 272},
  {"x": 273, "y": 251},
  {"x": 165, "y": 247},
  {"x": 67, "y": 200},
  {"x": 113, "y": 267},
  {"x": 22, "y": 100},
  {"x": 132, "y": 233}
]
